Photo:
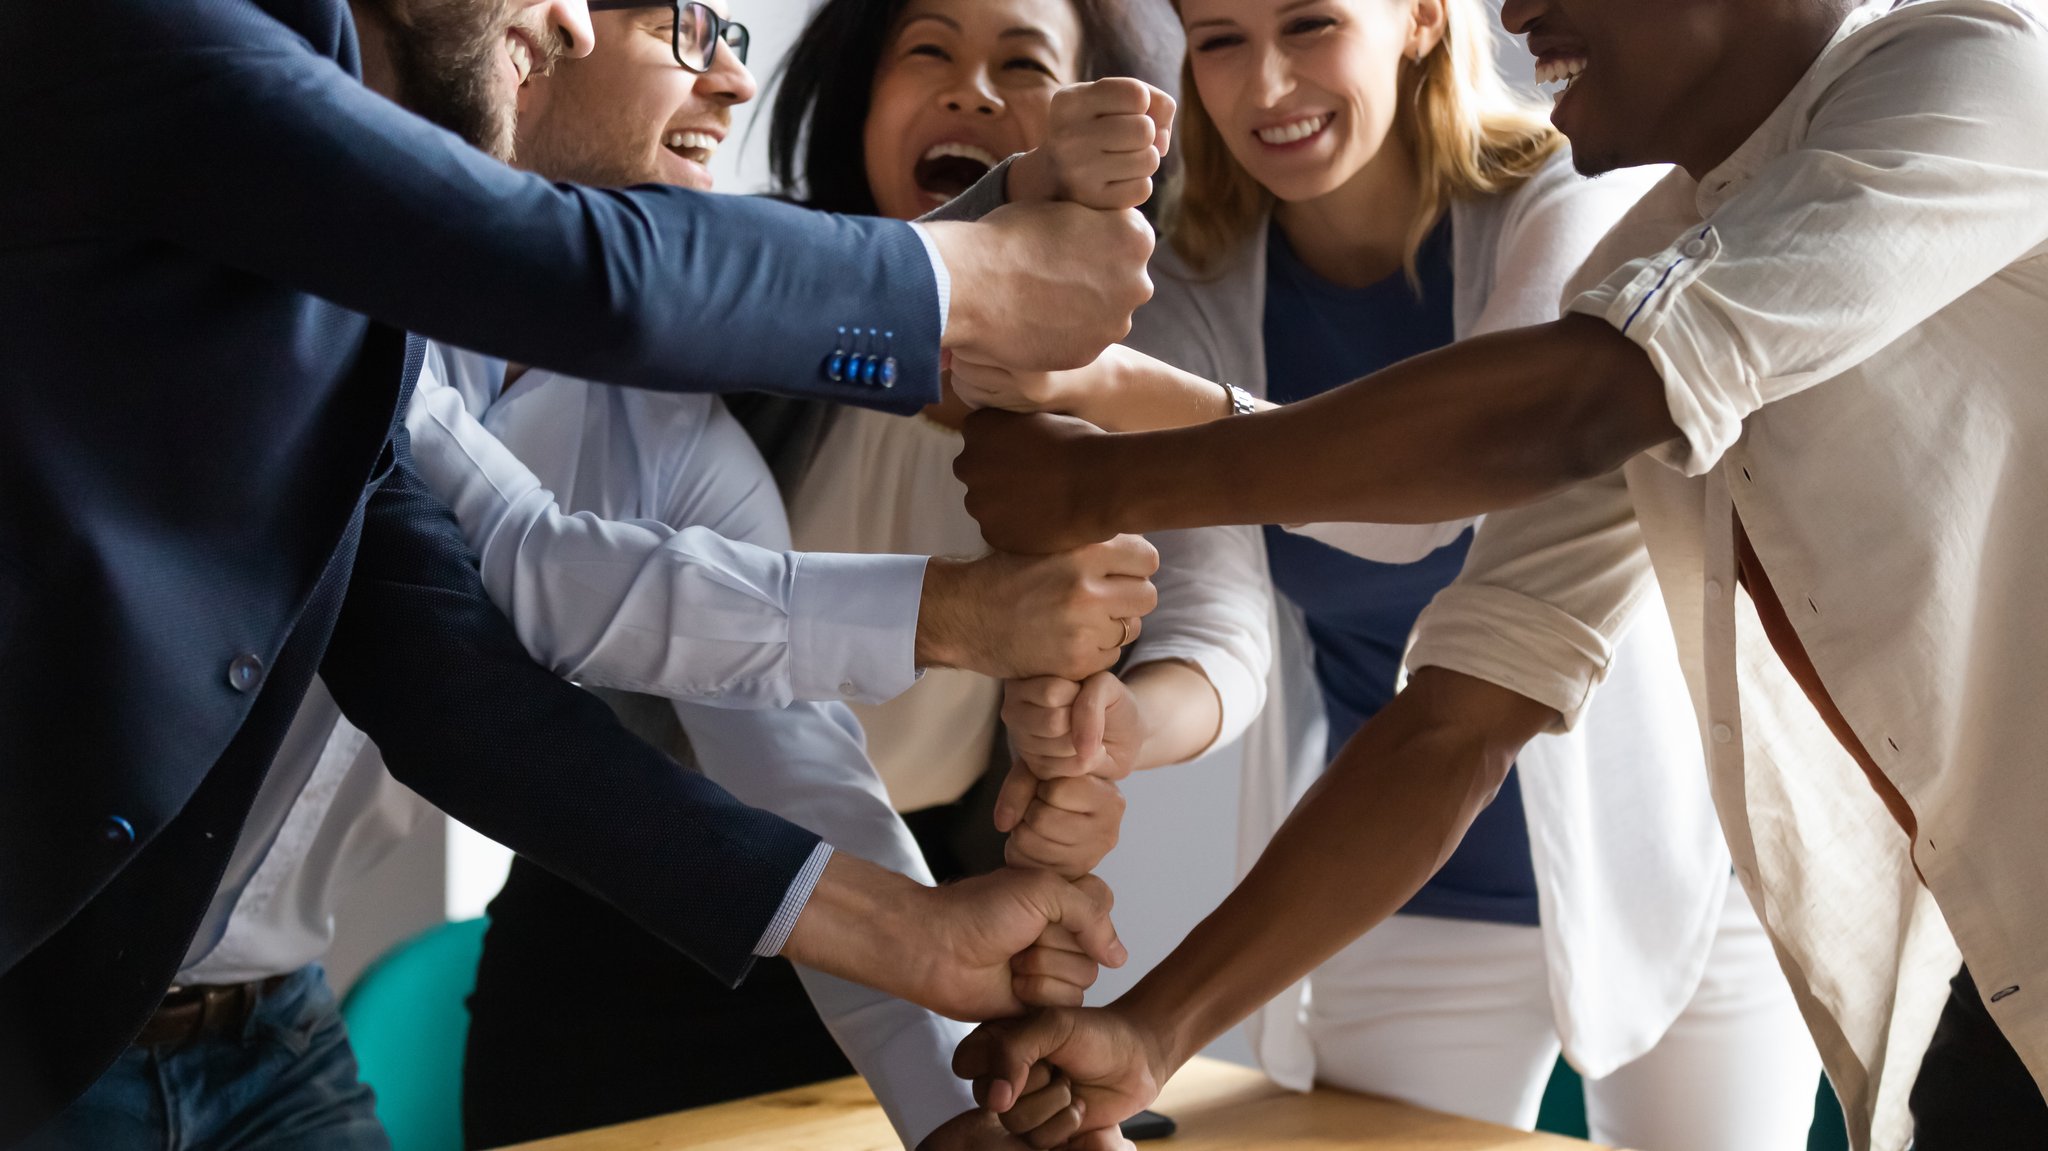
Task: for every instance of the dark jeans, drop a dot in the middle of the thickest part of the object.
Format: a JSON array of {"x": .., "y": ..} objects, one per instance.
[
  {"x": 287, "y": 1081},
  {"x": 1973, "y": 1093},
  {"x": 581, "y": 1019}
]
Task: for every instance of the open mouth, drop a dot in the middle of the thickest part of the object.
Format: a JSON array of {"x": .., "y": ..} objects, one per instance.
[
  {"x": 1295, "y": 131},
  {"x": 1558, "y": 72},
  {"x": 519, "y": 48},
  {"x": 948, "y": 169},
  {"x": 697, "y": 147}
]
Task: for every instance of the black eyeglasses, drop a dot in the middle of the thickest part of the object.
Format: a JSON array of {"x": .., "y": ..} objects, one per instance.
[{"x": 696, "y": 32}]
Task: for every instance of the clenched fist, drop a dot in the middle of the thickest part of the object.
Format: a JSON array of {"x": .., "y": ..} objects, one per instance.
[
  {"x": 1043, "y": 286},
  {"x": 1031, "y": 483},
  {"x": 1103, "y": 145},
  {"x": 1011, "y": 616}
]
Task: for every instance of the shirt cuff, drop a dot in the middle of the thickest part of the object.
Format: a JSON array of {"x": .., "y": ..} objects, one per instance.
[
  {"x": 940, "y": 274},
  {"x": 793, "y": 902},
  {"x": 1709, "y": 388},
  {"x": 1514, "y": 641},
  {"x": 853, "y": 625}
]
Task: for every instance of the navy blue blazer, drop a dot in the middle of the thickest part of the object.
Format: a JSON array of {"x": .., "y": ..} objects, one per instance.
[{"x": 212, "y": 241}]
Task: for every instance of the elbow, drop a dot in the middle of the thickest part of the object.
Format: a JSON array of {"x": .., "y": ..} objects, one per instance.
[{"x": 1614, "y": 406}]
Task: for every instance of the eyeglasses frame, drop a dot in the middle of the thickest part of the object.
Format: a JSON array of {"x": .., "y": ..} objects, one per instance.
[{"x": 721, "y": 29}]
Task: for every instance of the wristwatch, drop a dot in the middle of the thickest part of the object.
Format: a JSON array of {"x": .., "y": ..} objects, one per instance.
[{"x": 1240, "y": 400}]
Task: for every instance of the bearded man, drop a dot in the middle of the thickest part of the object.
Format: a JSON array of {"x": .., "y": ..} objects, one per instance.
[{"x": 212, "y": 271}]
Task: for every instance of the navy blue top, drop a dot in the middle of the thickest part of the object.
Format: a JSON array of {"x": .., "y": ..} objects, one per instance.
[{"x": 1360, "y": 613}]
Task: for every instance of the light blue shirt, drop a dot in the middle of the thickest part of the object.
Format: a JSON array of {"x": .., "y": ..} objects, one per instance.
[{"x": 571, "y": 492}]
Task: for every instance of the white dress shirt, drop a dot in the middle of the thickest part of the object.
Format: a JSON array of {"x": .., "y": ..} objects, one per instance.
[
  {"x": 725, "y": 600},
  {"x": 1850, "y": 316}
]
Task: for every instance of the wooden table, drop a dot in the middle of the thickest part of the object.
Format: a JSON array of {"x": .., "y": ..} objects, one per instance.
[{"x": 1219, "y": 1106}]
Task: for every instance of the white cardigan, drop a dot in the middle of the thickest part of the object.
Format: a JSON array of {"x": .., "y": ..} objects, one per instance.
[{"x": 1631, "y": 869}]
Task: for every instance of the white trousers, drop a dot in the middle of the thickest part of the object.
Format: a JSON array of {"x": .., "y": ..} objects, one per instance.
[{"x": 1455, "y": 1016}]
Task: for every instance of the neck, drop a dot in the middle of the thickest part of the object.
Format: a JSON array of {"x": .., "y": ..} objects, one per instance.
[
  {"x": 1358, "y": 233},
  {"x": 374, "y": 32},
  {"x": 1770, "y": 65}
]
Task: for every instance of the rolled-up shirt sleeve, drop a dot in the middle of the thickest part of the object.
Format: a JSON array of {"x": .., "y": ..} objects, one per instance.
[
  {"x": 1546, "y": 592},
  {"x": 1215, "y": 604},
  {"x": 1918, "y": 170},
  {"x": 641, "y": 606}
]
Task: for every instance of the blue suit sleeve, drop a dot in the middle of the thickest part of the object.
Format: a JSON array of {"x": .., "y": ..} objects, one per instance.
[
  {"x": 211, "y": 125},
  {"x": 423, "y": 663}
]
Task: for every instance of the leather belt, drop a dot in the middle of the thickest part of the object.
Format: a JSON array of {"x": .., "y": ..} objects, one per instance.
[{"x": 189, "y": 1013}]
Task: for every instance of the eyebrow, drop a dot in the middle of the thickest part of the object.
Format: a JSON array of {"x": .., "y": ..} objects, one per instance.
[
  {"x": 1223, "y": 20},
  {"x": 1028, "y": 33},
  {"x": 948, "y": 21}
]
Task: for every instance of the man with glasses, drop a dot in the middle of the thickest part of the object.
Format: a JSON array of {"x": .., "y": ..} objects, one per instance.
[
  {"x": 210, "y": 271},
  {"x": 649, "y": 599}
]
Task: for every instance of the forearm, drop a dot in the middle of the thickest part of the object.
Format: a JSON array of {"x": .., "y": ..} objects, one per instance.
[
  {"x": 341, "y": 194},
  {"x": 1489, "y": 423},
  {"x": 1142, "y": 394},
  {"x": 1358, "y": 846},
  {"x": 1183, "y": 712}
]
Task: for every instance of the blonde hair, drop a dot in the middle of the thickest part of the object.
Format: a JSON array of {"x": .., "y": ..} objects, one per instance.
[{"x": 1472, "y": 136}]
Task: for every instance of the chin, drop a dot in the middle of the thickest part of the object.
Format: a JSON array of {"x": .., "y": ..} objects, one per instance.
[{"x": 1299, "y": 189}]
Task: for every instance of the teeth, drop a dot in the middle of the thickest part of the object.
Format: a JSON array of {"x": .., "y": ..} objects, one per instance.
[
  {"x": 1298, "y": 130},
  {"x": 966, "y": 151},
  {"x": 1556, "y": 69},
  {"x": 685, "y": 141},
  {"x": 522, "y": 58}
]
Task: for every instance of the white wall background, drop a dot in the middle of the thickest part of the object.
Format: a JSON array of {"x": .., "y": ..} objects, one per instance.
[{"x": 1175, "y": 862}]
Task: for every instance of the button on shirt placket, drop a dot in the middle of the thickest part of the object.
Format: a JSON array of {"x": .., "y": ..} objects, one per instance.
[{"x": 1723, "y": 720}]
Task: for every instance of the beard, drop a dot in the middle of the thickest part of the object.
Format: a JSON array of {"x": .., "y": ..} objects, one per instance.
[
  {"x": 596, "y": 150},
  {"x": 445, "y": 54}
]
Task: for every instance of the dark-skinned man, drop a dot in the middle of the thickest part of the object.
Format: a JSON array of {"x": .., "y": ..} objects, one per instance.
[{"x": 1814, "y": 355}]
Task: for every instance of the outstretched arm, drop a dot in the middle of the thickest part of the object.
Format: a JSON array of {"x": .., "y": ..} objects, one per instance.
[
  {"x": 1364, "y": 839},
  {"x": 1489, "y": 423}
]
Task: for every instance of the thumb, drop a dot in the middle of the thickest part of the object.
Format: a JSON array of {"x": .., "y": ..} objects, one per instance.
[
  {"x": 999, "y": 1056},
  {"x": 1161, "y": 110},
  {"x": 1082, "y": 907},
  {"x": 1091, "y": 712},
  {"x": 1015, "y": 796}
]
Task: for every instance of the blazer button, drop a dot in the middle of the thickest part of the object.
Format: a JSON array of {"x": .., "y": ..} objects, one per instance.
[
  {"x": 245, "y": 674},
  {"x": 117, "y": 832}
]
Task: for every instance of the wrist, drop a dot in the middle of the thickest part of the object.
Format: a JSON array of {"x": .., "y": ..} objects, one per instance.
[
  {"x": 941, "y": 612},
  {"x": 1095, "y": 468},
  {"x": 1030, "y": 178},
  {"x": 857, "y": 923},
  {"x": 962, "y": 255},
  {"x": 1163, "y": 1038}
]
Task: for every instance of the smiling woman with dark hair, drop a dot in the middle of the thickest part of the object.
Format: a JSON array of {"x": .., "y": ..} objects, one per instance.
[{"x": 821, "y": 141}]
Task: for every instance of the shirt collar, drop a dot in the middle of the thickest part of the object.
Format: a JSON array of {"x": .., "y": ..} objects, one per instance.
[{"x": 1773, "y": 138}]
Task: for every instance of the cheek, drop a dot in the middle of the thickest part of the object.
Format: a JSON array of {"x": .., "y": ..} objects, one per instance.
[
  {"x": 1219, "y": 87},
  {"x": 891, "y": 111}
]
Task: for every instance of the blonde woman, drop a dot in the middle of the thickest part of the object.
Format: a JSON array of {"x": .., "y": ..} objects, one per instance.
[{"x": 1360, "y": 187}]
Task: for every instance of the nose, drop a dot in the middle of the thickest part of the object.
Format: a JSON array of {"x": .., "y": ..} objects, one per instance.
[
  {"x": 572, "y": 19},
  {"x": 1517, "y": 15},
  {"x": 728, "y": 81},
  {"x": 971, "y": 92},
  {"x": 1274, "y": 80}
]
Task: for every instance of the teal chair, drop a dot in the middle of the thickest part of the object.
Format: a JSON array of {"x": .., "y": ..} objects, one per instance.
[
  {"x": 407, "y": 1019},
  {"x": 1564, "y": 1111}
]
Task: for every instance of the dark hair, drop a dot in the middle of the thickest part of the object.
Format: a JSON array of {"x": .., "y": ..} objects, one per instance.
[{"x": 815, "y": 134}]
